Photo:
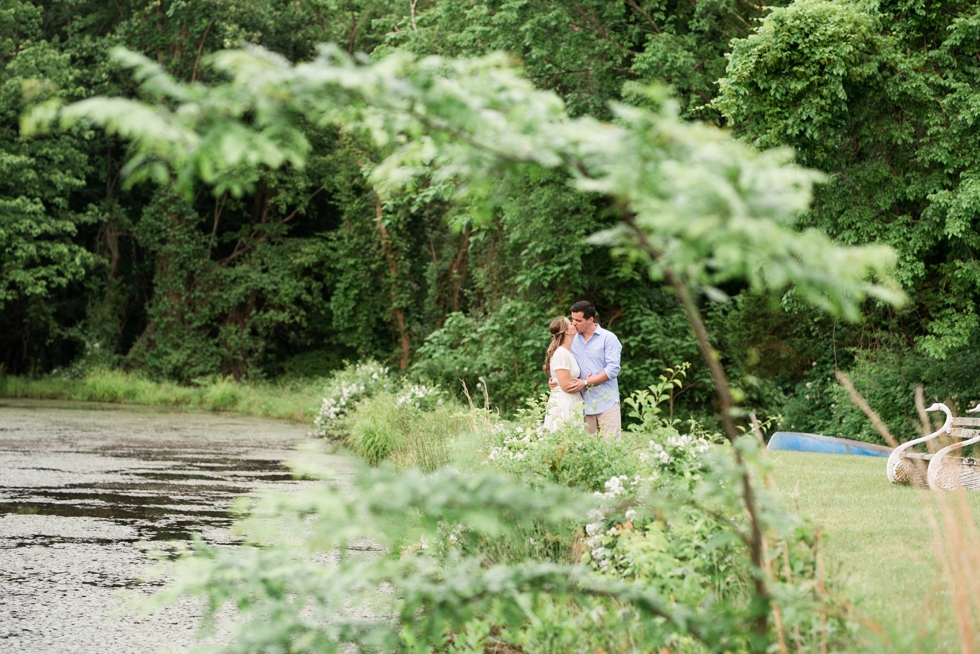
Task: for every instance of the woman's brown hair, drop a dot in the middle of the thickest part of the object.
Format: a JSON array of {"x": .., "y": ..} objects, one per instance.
[{"x": 558, "y": 328}]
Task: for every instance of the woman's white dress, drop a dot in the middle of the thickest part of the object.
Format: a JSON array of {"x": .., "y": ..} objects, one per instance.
[{"x": 563, "y": 407}]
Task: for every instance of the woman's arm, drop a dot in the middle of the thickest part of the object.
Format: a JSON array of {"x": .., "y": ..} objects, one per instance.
[{"x": 565, "y": 380}]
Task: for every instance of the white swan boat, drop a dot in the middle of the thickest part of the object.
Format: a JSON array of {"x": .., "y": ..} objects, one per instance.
[{"x": 938, "y": 470}]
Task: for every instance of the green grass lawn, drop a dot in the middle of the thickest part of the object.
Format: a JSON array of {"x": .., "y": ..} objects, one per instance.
[{"x": 878, "y": 538}]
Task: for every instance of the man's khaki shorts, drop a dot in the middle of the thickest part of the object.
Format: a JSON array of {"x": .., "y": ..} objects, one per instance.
[{"x": 608, "y": 423}]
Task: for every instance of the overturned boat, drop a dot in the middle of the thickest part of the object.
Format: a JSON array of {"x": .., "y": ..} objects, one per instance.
[{"x": 800, "y": 442}]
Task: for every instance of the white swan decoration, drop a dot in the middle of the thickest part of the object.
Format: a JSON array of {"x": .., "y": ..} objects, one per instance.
[
  {"x": 902, "y": 470},
  {"x": 955, "y": 472}
]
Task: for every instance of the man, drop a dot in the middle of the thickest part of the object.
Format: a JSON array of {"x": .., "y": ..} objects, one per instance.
[{"x": 598, "y": 352}]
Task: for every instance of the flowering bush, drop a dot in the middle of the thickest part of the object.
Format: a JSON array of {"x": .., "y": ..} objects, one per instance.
[
  {"x": 637, "y": 479},
  {"x": 663, "y": 528},
  {"x": 677, "y": 455},
  {"x": 421, "y": 397},
  {"x": 568, "y": 455},
  {"x": 345, "y": 389},
  {"x": 665, "y": 513},
  {"x": 628, "y": 536}
]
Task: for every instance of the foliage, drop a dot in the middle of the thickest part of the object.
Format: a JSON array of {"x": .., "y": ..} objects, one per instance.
[
  {"x": 644, "y": 404},
  {"x": 387, "y": 427},
  {"x": 739, "y": 225},
  {"x": 93, "y": 358},
  {"x": 342, "y": 599},
  {"x": 877, "y": 95},
  {"x": 635, "y": 477},
  {"x": 42, "y": 248},
  {"x": 168, "y": 286},
  {"x": 685, "y": 552},
  {"x": 344, "y": 389},
  {"x": 567, "y": 456},
  {"x": 334, "y": 270},
  {"x": 420, "y": 397},
  {"x": 438, "y": 553},
  {"x": 887, "y": 378},
  {"x": 652, "y": 523},
  {"x": 687, "y": 204},
  {"x": 693, "y": 207},
  {"x": 587, "y": 50},
  {"x": 639, "y": 479},
  {"x": 179, "y": 290}
]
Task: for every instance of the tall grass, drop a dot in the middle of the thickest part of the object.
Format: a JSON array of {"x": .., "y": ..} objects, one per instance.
[
  {"x": 382, "y": 429},
  {"x": 295, "y": 401}
]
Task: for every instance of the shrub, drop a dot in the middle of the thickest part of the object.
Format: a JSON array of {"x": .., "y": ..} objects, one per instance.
[
  {"x": 344, "y": 389},
  {"x": 629, "y": 535},
  {"x": 486, "y": 350},
  {"x": 432, "y": 587},
  {"x": 93, "y": 358},
  {"x": 568, "y": 456}
]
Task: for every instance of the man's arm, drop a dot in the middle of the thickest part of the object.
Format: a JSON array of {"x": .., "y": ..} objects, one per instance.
[{"x": 597, "y": 378}]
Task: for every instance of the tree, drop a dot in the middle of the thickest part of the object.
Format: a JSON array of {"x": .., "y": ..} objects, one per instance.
[
  {"x": 345, "y": 283},
  {"x": 880, "y": 97},
  {"x": 586, "y": 50},
  {"x": 206, "y": 286},
  {"x": 41, "y": 252}
]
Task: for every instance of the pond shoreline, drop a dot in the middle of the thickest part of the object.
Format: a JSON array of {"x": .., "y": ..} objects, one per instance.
[{"x": 294, "y": 401}]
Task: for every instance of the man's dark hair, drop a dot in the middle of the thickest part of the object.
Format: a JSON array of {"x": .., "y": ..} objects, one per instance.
[{"x": 586, "y": 308}]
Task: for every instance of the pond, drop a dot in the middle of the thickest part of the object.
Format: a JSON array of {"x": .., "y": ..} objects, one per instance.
[{"x": 90, "y": 492}]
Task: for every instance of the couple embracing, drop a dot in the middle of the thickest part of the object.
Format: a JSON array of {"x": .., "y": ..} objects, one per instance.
[{"x": 583, "y": 360}]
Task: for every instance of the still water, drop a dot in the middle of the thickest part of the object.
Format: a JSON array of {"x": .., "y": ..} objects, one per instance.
[{"x": 88, "y": 494}]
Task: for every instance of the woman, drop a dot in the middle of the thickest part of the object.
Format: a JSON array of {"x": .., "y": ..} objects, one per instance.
[{"x": 563, "y": 406}]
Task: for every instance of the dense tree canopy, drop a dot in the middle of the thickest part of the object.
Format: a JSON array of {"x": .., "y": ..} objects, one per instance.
[
  {"x": 882, "y": 96},
  {"x": 278, "y": 267}
]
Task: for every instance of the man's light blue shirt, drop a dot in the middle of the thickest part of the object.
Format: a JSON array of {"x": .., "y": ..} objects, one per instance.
[{"x": 601, "y": 352}]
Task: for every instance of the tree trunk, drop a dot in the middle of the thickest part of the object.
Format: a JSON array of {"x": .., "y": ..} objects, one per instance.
[
  {"x": 406, "y": 344},
  {"x": 456, "y": 274}
]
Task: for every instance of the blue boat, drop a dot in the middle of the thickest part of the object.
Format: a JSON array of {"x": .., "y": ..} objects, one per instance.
[{"x": 798, "y": 442}]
